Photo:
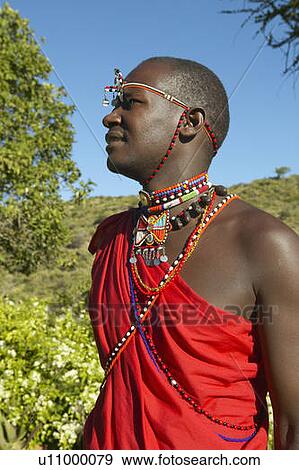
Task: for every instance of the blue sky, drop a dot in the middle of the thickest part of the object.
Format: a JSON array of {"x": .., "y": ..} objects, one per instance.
[{"x": 86, "y": 40}]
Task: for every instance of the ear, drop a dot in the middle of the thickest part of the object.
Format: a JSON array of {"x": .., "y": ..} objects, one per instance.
[{"x": 193, "y": 123}]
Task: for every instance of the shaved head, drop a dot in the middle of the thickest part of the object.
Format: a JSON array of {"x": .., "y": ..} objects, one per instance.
[
  {"x": 198, "y": 87},
  {"x": 145, "y": 123}
]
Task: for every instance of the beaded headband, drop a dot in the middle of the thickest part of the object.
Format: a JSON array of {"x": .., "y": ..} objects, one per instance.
[
  {"x": 119, "y": 85},
  {"x": 118, "y": 90}
]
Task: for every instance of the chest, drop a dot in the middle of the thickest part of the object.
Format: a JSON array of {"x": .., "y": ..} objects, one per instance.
[{"x": 218, "y": 269}]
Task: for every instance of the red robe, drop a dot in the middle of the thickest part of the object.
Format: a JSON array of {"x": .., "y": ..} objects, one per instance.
[{"x": 214, "y": 355}]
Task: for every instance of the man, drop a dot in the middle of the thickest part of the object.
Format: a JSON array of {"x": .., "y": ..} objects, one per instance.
[{"x": 194, "y": 301}]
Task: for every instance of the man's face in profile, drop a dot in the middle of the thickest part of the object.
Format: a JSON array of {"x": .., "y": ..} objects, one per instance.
[{"x": 141, "y": 126}]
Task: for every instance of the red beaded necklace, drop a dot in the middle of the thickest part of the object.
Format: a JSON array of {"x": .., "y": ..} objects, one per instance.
[{"x": 158, "y": 195}]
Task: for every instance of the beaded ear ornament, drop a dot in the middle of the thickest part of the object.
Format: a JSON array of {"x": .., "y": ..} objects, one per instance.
[{"x": 154, "y": 224}]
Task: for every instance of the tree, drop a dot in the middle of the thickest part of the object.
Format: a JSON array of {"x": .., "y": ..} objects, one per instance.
[
  {"x": 281, "y": 171},
  {"x": 36, "y": 138},
  {"x": 279, "y": 22}
]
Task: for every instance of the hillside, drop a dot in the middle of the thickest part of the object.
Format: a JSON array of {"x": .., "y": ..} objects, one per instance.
[{"x": 65, "y": 284}]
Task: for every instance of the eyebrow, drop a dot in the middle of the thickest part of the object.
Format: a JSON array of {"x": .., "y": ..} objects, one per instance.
[{"x": 133, "y": 91}]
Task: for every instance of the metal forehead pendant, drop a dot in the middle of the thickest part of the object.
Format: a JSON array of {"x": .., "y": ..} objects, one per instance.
[{"x": 150, "y": 235}]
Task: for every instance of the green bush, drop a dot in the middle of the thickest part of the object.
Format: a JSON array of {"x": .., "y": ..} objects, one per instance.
[{"x": 49, "y": 371}]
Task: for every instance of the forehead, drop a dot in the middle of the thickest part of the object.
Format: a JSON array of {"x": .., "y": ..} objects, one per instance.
[{"x": 155, "y": 75}]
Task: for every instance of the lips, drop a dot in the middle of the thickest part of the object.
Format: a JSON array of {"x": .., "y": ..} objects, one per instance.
[{"x": 113, "y": 136}]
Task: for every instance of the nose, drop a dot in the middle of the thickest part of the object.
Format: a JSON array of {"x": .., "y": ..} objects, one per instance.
[{"x": 112, "y": 118}]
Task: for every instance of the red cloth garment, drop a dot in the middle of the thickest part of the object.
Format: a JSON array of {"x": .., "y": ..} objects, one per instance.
[{"x": 213, "y": 354}]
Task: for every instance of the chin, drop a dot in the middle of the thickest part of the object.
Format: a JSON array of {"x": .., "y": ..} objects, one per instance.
[
  {"x": 111, "y": 166},
  {"x": 120, "y": 167},
  {"x": 116, "y": 165}
]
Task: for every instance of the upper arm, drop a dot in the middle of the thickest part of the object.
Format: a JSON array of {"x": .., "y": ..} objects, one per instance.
[{"x": 277, "y": 288}]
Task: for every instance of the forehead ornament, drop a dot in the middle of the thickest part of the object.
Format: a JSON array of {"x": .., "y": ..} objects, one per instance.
[{"x": 120, "y": 84}]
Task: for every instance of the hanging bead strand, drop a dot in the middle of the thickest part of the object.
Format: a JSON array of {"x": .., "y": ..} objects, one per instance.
[{"x": 172, "y": 144}]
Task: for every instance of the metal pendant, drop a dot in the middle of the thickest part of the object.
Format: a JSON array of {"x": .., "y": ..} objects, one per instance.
[
  {"x": 144, "y": 198},
  {"x": 154, "y": 256}
]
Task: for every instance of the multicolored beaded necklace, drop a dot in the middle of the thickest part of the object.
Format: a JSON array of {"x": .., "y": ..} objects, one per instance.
[
  {"x": 167, "y": 194},
  {"x": 195, "y": 209},
  {"x": 157, "y": 201},
  {"x": 186, "y": 251},
  {"x": 151, "y": 231},
  {"x": 152, "y": 228}
]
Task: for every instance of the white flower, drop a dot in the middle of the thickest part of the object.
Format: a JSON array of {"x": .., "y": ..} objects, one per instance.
[
  {"x": 69, "y": 432},
  {"x": 24, "y": 383},
  {"x": 4, "y": 394},
  {"x": 8, "y": 372},
  {"x": 40, "y": 401},
  {"x": 58, "y": 361},
  {"x": 11, "y": 352},
  {"x": 71, "y": 374},
  {"x": 35, "y": 376},
  {"x": 65, "y": 349}
]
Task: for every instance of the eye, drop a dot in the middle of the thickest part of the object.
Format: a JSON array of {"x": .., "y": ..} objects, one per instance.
[
  {"x": 116, "y": 102},
  {"x": 128, "y": 102}
]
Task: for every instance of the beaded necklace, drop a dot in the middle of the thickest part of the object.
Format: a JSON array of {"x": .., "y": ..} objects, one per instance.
[
  {"x": 195, "y": 209},
  {"x": 178, "y": 263},
  {"x": 171, "y": 192},
  {"x": 153, "y": 225},
  {"x": 184, "y": 217},
  {"x": 151, "y": 231},
  {"x": 179, "y": 200}
]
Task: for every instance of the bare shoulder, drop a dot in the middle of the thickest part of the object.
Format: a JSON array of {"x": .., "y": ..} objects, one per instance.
[
  {"x": 267, "y": 242},
  {"x": 255, "y": 227}
]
